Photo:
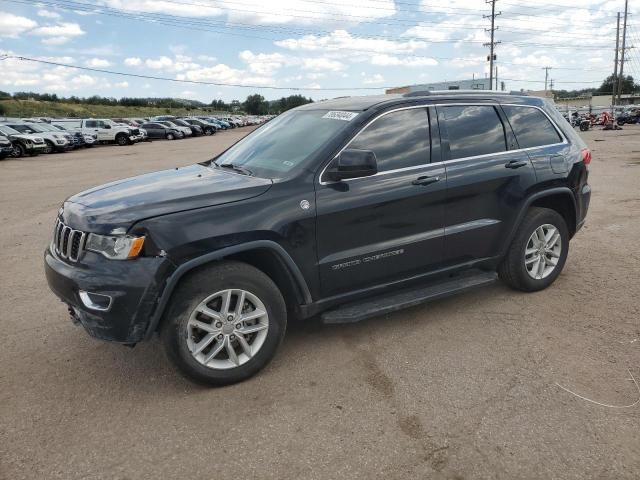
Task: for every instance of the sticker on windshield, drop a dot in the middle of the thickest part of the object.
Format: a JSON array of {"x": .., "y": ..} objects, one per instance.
[{"x": 337, "y": 115}]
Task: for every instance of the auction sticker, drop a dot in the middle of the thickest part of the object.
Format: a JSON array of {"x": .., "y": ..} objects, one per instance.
[{"x": 337, "y": 115}]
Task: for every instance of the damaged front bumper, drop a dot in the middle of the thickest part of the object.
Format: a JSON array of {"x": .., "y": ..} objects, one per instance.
[{"x": 113, "y": 300}]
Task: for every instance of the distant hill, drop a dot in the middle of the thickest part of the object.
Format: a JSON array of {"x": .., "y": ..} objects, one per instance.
[{"x": 38, "y": 108}]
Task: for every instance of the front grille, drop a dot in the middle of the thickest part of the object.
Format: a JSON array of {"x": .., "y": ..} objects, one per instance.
[
  {"x": 67, "y": 242},
  {"x": 135, "y": 131}
]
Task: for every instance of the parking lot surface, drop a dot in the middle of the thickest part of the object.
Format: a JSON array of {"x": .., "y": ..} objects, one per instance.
[{"x": 462, "y": 388}]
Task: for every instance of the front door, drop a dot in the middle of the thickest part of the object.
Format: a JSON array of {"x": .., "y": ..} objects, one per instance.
[
  {"x": 387, "y": 226},
  {"x": 488, "y": 178}
]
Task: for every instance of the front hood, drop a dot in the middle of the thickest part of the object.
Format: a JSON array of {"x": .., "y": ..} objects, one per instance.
[{"x": 124, "y": 202}]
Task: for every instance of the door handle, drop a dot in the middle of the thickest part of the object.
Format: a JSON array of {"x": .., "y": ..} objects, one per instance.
[
  {"x": 516, "y": 164},
  {"x": 425, "y": 180}
]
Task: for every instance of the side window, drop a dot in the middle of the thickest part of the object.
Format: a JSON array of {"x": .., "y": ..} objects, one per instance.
[
  {"x": 474, "y": 130},
  {"x": 90, "y": 124},
  {"x": 100, "y": 124},
  {"x": 531, "y": 126},
  {"x": 399, "y": 139}
]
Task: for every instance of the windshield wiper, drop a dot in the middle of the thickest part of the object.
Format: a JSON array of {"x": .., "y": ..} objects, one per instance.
[{"x": 237, "y": 168}]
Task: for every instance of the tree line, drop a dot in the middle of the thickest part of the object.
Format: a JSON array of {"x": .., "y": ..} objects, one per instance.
[
  {"x": 253, "y": 105},
  {"x": 629, "y": 86}
]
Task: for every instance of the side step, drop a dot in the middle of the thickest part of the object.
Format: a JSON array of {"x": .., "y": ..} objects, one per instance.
[{"x": 372, "y": 307}]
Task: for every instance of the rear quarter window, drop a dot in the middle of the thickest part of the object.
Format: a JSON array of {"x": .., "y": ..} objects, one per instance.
[{"x": 531, "y": 127}]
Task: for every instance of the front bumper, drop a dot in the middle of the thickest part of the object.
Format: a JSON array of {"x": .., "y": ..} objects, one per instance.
[{"x": 132, "y": 285}]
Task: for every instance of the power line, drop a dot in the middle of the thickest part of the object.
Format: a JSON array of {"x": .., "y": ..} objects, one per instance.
[
  {"x": 171, "y": 20},
  {"x": 168, "y": 79}
]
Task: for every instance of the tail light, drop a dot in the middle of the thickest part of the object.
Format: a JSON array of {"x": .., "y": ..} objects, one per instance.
[{"x": 586, "y": 156}]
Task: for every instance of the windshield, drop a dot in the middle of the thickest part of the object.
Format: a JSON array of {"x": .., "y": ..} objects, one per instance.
[
  {"x": 24, "y": 129},
  {"x": 284, "y": 143},
  {"x": 8, "y": 130},
  {"x": 38, "y": 128}
]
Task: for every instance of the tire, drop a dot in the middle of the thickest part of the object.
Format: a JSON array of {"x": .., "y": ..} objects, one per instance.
[
  {"x": 210, "y": 284},
  {"x": 18, "y": 151},
  {"x": 208, "y": 131},
  {"x": 513, "y": 270},
  {"x": 122, "y": 139},
  {"x": 170, "y": 136},
  {"x": 51, "y": 148}
]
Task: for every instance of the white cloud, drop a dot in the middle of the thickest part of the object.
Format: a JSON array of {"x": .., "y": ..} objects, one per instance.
[
  {"x": 304, "y": 12},
  {"x": 263, "y": 63},
  {"x": 98, "y": 63},
  {"x": 13, "y": 25},
  {"x": 383, "y": 60},
  {"x": 376, "y": 78},
  {"x": 121, "y": 85},
  {"x": 133, "y": 61},
  {"x": 83, "y": 81},
  {"x": 222, "y": 73},
  {"x": 48, "y": 14},
  {"x": 159, "y": 63},
  {"x": 58, "y": 34},
  {"x": 322, "y": 64},
  {"x": 343, "y": 43}
]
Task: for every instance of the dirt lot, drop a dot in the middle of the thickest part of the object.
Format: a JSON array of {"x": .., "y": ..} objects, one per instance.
[{"x": 463, "y": 388}]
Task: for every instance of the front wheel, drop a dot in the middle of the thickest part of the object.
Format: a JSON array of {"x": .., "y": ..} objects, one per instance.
[
  {"x": 538, "y": 252},
  {"x": 122, "y": 140},
  {"x": 170, "y": 136},
  {"x": 18, "y": 151},
  {"x": 50, "y": 148},
  {"x": 224, "y": 324}
]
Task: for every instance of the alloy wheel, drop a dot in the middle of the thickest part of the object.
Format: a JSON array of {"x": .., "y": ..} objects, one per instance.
[
  {"x": 542, "y": 252},
  {"x": 227, "y": 329}
]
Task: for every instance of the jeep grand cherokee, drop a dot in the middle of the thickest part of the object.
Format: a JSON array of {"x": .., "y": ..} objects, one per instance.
[{"x": 346, "y": 209}]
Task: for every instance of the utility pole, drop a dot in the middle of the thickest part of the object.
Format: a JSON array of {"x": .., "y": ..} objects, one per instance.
[
  {"x": 493, "y": 43},
  {"x": 497, "y": 77},
  {"x": 551, "y": 85},
  {"x": 624, "y": 38},
  {"x": 614, "y": 83},
  {"x": 546, "y": 77}
]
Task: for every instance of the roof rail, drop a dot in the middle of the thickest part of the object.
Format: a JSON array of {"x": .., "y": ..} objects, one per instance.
[{"x": 424, "y": 93}]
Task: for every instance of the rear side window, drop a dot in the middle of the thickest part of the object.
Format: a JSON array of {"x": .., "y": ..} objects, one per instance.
[
  {"x": 90, "y": 124},
  {"x": 531, "y": 126},
  {"x": 474, "y": 130},
  {"x": 399, "y": 139}
]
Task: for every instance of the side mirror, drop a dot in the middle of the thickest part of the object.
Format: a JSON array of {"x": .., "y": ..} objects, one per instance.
[
  {"x": 353, "y": 164},
  {"x": 107, "y": 126}
]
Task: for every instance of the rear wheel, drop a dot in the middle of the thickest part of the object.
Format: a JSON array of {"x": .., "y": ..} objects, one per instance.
[
  {"x": 538, "y": 252},
  {"x": 224, "y": 324},
  {"x": 170, "y": 136}
]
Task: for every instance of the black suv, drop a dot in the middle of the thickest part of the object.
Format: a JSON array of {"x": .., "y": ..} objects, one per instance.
[{"x": 346, "y": 209}]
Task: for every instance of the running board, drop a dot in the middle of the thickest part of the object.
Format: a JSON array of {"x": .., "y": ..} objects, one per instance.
[{"x": 372, "y": 307}]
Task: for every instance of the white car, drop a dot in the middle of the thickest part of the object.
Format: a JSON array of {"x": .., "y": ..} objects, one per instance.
[{"x": 54, "y": 141}]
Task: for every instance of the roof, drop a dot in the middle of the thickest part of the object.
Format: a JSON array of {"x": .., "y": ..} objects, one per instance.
[{"x": 361, "y": 103}]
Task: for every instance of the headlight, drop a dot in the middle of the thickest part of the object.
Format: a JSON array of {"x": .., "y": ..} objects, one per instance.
[{"x": 115, "y": 247}]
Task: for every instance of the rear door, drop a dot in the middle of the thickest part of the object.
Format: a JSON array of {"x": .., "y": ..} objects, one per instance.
[
  {"x": 544, "y": 144},
  {"x": 488, "y": 178},
  {"x": 387, "y": 226}
]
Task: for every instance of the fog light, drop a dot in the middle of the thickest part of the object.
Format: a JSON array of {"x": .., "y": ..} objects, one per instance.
[{"x": 95, "y": 301}]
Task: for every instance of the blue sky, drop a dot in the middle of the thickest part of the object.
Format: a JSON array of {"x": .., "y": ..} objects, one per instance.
[{"x": 304, "y": 44}]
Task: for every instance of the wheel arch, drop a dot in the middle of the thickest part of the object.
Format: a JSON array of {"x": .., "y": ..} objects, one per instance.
[
  {"x": 560, "y": 199},
  {"x": 265, "y": 255}
]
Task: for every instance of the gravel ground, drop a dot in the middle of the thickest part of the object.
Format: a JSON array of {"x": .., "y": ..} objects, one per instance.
[{"x": 462, "y": 388}]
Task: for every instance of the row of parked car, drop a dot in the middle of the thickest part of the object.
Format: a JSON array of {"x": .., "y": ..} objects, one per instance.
[{"x": 33, "y": 136}]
